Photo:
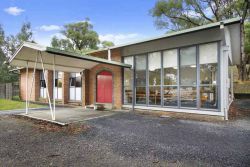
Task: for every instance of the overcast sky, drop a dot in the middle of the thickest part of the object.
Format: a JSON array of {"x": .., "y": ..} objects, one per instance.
[{"x": 120, "y": 21}]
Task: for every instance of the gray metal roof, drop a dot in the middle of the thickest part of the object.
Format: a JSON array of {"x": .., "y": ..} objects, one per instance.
[
  {"x": 27, "y": 55},
  {"x": 172, "y": 34}
]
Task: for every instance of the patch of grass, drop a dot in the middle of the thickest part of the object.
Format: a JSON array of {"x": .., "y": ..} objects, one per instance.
[
  {"x": 12, "y": 104},
  {"x": 16, "y": 98}
]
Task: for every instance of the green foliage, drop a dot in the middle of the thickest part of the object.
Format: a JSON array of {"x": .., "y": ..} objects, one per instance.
[
  {"x": 8, "y": 46},
  {"x": 80, "y": 37},
  {"x": 64, "y": 44},
  {"x": 247, "y": 38},
  {"x": 26, "y": 33},
  {"x": 182, "y": 14},
  {"x": 107, "y": 44}
]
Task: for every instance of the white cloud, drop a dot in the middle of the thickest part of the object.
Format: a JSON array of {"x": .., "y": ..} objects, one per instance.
[
  {"x": 120, "y": 38},
  {"x": 50, "y": 28},
  {"x": 15, "y": 11},
  {"x": 58, "y": 35}
]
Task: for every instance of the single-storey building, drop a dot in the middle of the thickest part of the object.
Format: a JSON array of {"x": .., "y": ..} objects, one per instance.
[{"x": 185, "y": 71}]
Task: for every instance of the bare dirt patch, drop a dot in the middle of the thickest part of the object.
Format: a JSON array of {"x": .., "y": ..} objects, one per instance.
[{"x": 44, "y": 126}]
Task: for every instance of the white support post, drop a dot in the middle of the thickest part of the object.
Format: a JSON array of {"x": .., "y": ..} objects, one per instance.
[
  {"x": 27, "y": 73},
  {"x": 109, "y": 54},
  {"x": 47, "y": 90},
  {"x": 33, "y": 79},
  {"x": 232, "y": 84},
  {"x": 54, "y": 99}
]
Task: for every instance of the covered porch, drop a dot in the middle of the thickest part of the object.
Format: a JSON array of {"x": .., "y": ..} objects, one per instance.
[{"x": 36, "y": 57}]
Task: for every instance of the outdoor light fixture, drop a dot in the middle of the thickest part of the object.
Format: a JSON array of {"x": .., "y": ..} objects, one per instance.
[{"x": 221, "y": 25}]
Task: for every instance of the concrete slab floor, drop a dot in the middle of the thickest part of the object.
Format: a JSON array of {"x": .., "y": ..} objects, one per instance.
[{"x": 68, "y": 115}]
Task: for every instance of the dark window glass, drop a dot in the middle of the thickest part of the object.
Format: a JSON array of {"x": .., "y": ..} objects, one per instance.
[
  {"x": 78, "y": 82},
  {"x": 170, "y": 96},
  {"x": 59, "y": 83},
  {"x": 128, "y": 95},
  {"x": 188, "y": 96},
  {"x": 154, "y": 95},
  {"x": 208, "y": 97},
  {"x": 72, "y": 82},
  {"x": 127, "y": 82},
  {"x": 140, "y": 95},
  {"x": 43, "y": 84},
  {"x": 140, "y": 74}
]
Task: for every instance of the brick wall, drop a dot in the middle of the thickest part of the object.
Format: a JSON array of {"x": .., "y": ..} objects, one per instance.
[
  {"x": 22, "y": 85},
  {"x": 50, "y": 83},
  {"x": 117, "y": 78},
  {"x": 65, "y": 88},
  {"x": 88, "y": 82},
  {"x": 85, "y": 88}
]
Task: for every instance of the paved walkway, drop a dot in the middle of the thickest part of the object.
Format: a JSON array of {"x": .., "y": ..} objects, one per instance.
[{"x": 68, "y": 115}]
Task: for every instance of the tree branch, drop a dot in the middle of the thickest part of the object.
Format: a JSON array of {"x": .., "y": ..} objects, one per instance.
[{"x": 201, "y": 12}]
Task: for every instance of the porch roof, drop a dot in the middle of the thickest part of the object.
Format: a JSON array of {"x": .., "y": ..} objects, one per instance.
[{"x": 65, "y": 61}]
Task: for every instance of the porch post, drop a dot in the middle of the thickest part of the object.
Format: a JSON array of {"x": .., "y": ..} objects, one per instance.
[
  {"x": 133, "y": 86},
  {"x": 54, "y": 99},
  {"x": 47, "y": 89},
  {"x": 27, "y": 63}
]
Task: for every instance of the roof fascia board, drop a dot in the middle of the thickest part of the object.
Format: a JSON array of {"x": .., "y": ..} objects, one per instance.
[
  {"x": 28, "y": 45},
  {"x": 84, "y": 57}
]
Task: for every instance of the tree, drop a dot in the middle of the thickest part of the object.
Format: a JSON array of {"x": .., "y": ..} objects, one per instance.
[
  {"x": 64, "y": 44},
  {"x": 80, "y": 37},
  {"x": 107, "y": 44},
  {"x": 182, "y": 14},
  {"x": 8, "y": 46},
  {"x": 12, "y": 42},
  {"x": 247, "y": 48}
]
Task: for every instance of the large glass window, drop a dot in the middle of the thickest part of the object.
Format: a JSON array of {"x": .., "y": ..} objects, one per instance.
[
  {"x": 58, "y": 85},
  {"x": 185, "y": 77},
  {"x": 42, "y": 85},
  {"x": 154, "y": 71},
  {"x": 75, "y": 89},
  {"x": 140, "y": 75},
  {"x": 208, "y": 58},
  {"x": 188, "y": 75},
  {"x": 128, "y": 81},
  {"x": 170, "y": 67}
]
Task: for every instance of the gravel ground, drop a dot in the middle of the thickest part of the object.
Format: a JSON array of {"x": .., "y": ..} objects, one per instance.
[{"x": 127, "y": 139}]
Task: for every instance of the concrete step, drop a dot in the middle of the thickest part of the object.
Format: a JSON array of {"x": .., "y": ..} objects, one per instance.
[{"x": 100, "y": 106}]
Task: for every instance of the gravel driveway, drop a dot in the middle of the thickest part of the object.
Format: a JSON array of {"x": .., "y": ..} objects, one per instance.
[{"x": 127, "y": 139}]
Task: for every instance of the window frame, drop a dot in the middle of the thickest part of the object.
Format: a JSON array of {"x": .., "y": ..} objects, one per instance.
[
  {"x": 197, "y": 107},
  {"x": 75, "y": 87}
]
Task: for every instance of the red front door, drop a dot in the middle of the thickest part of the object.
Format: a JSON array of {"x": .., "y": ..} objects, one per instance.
[{"x": 104, "y": 87}]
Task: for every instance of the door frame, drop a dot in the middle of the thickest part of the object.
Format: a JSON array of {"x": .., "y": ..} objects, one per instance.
[{"x": 95, "y": 90}]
